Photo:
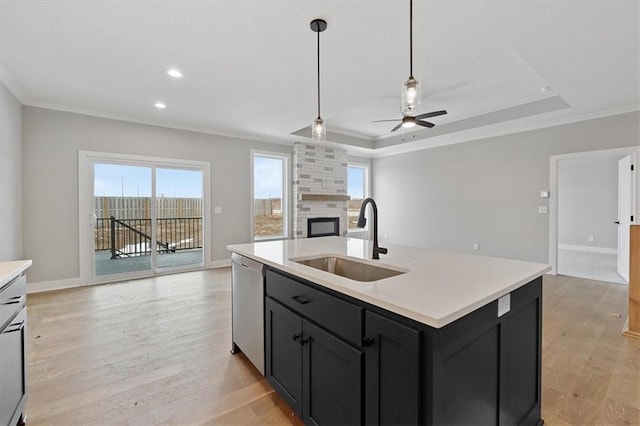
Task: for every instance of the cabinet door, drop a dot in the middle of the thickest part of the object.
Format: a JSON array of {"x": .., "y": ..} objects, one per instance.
[
  {"x": 520, "y": 368},
  {"x": 392, "y": 367},
  {"x": 332, "y": 378},
  {"x": 12, "y": 369},
  {"x": 284, "y": 353}
]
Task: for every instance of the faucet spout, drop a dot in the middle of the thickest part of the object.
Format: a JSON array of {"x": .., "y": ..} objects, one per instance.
[{"x": 362, "y": 222}]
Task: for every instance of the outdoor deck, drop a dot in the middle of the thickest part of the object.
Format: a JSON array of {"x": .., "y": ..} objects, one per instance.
[{"x": 106, "y": 266}]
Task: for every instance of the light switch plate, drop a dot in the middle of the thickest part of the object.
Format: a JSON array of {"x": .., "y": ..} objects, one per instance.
[
  {"x": 504, "y": 304},
  {"x": 543, "y": 209},
  {"x": 544, "y": 194},
  {"x": 217, "y": 210}
]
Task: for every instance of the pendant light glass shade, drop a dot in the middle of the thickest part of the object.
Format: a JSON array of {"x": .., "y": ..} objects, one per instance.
[
  {"x": 319, "y": 129},
  {"x": 411, "y": 92}
]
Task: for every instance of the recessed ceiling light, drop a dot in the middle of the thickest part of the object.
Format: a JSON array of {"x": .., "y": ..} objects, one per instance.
[
  {"x": 175, "y": 73},
  {"x": 160, "y": 105}
]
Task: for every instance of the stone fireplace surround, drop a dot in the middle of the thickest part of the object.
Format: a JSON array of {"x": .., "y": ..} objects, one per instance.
[{"x": 319, "y": 185}]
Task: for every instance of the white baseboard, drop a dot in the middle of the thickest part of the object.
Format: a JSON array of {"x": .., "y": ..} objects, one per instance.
[
  {"x": 220, "y": 263},
  {"x": 590, "y": 249},
  {"x": 39, "y": 287}
]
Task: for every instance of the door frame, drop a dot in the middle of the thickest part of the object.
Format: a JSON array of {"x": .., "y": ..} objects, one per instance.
[
  {"x": 86, "y": 159},
  {"x": 625, "y": 171},
  {"x": 553, "y": 192}
]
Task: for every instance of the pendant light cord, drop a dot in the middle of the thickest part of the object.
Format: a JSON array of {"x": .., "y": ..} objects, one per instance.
[
  {"x": 318, "y": 25},
  {"x": 410, "y": 39}
]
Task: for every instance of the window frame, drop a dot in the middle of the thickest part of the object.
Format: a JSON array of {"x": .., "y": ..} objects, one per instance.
[
  {"x": 286, "y": 216},
  {"x": 366, "y": 190}
]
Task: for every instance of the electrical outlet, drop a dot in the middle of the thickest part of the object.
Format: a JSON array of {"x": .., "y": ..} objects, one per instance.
[
  {"x": 590, "y": 238},
  {"x": 543, "y": 209},
  {"x": 476, "y": 246}
]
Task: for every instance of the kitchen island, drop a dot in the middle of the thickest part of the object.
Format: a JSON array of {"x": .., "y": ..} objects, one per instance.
[{"x": 451, "y": 338}]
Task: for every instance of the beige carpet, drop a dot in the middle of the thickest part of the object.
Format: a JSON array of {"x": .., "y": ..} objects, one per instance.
[{"x": 594, "y": 266}]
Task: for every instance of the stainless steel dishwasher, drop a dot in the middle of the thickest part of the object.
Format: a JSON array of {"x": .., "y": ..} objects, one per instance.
[{"x": 247, "y": 307}]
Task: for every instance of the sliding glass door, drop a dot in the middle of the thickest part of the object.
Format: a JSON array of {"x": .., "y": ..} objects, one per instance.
[
  {"x": 122, "y": 242},
  {"x": 147, "y": 216},
  {"x": 179, "y": 197}
]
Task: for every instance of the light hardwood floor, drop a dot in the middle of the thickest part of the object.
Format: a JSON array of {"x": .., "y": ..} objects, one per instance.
[{"x": 156, "y": 351}]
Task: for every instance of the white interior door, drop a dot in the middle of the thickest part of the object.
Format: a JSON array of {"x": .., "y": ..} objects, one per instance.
[{"x": 625, "y": 212}]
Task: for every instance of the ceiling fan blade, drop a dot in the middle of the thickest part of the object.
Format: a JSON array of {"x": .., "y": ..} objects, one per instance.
[
  {"x": 397, "y": 127},
  {"x": 380, "y": 121},
  {"x": 431, "y": 114},
  {"x": 424, "y": 123}
]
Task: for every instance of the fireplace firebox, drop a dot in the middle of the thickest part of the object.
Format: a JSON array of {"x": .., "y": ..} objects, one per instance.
[{"x": 323, "y": 226}]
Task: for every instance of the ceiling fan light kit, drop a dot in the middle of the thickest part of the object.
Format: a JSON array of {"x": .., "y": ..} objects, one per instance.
[
  {"x": 408, "y": 122},
  {"x": 318, "y": 128}
]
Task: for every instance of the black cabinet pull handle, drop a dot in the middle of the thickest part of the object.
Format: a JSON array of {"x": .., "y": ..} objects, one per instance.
[
  {"x": 303, "y": 341},
  {"x": 617, "y": 222},
  {"x": 368, "y": 341},
  {"x": 295, "y": 337},
  {"x": 301, "y": 300}
]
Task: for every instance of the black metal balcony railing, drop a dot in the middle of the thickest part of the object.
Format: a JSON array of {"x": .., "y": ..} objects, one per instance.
[{"x": 132, "y": 237}]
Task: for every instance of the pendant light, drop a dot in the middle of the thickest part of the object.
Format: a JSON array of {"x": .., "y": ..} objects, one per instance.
[
  {"x": 411, "y": 89},
  {"x": 318, "y": 128}
]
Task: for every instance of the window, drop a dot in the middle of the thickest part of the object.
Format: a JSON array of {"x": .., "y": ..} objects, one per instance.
[
  {"x": 269, "y": 217},
  {"x": 358, "y": 190}
]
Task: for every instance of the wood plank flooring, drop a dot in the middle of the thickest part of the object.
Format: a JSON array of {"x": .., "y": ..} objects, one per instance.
[{"x": 156, "y": 351}]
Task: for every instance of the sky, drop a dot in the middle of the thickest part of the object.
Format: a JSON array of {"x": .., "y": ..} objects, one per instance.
[
  {"x": 355, "y": 182},
  {"x": 113, "y": 180},
  {"x": 267, "y": 177}
]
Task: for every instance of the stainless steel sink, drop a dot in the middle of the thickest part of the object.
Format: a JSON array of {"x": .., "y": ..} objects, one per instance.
[{"x": 355, "y": 270}]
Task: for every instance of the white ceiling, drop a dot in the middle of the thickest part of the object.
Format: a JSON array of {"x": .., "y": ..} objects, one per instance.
[{"x": 250, "y": 66}]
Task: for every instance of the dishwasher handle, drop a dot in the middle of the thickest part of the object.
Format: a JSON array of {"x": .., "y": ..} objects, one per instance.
[{"x": 247, "y": 263}]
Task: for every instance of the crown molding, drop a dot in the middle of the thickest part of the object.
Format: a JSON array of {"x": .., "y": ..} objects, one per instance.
[
  {"x": 13, "y": 86},
  {"x": 495, "y": 130}
]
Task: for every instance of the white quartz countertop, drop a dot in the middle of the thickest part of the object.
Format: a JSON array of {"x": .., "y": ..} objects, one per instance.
[
  {"x": 10, "y": 270},
  {"x": 438, "y": 288}
]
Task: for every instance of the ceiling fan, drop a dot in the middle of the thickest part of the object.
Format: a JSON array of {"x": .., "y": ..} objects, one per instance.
[
  {"x": 408, "y": 121},
  {"x": 412, "y": 93}
]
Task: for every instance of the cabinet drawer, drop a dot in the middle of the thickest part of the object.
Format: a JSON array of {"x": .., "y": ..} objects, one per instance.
[
  {"x": 343, "y": 318},
  {"x": 12, "y": 298}
]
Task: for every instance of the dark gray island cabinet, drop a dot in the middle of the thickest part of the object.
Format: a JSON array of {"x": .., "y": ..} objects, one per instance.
[{"x": 339, "y": 360}]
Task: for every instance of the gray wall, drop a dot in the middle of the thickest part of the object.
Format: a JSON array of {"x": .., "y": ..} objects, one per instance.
[
  {"x": 588, "y": 201},
  {"x": 10, "y": 176},
  {"x": 485, "y": 191},
  {"x": 51, "y": 141}
]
